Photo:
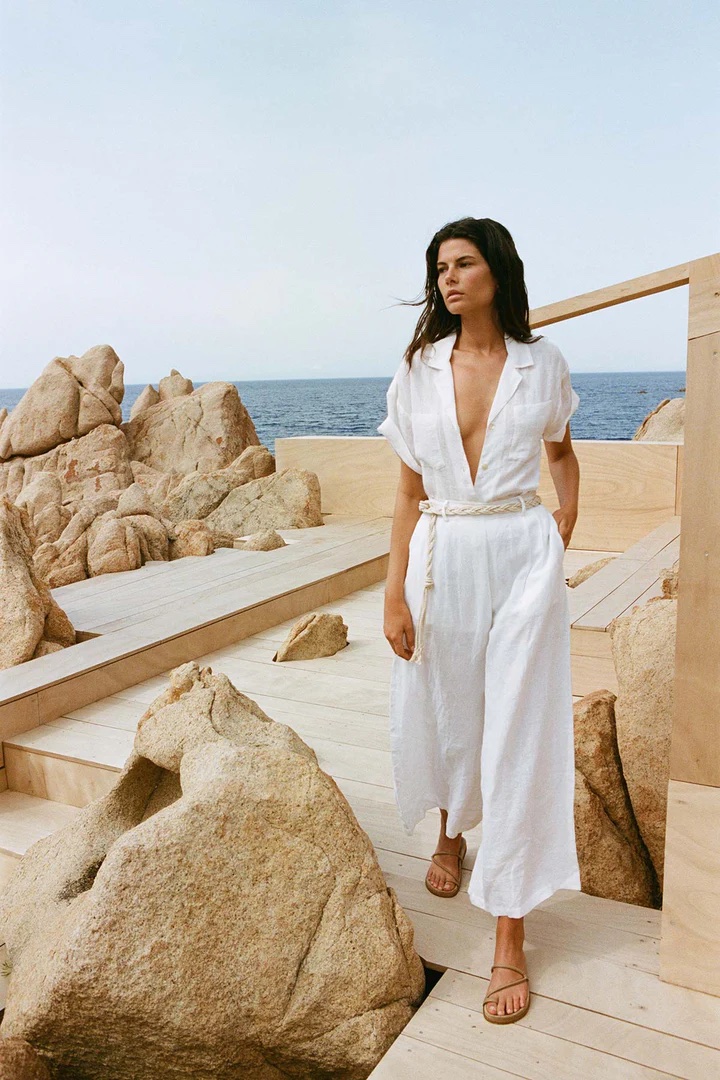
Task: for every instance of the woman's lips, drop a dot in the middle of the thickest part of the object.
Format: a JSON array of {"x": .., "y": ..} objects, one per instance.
[{"x": 453, "y": 295}]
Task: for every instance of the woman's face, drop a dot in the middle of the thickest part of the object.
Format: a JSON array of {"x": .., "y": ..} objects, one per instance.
[{"x": 465, "y": 280}]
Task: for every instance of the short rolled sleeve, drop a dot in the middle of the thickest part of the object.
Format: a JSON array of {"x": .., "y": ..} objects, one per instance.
[
  {"x": 565, "y": 403},
  {"x": 397, "y": 426}
]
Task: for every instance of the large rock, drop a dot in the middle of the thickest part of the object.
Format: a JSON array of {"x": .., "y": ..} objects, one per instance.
[
  {"x": 643, "y": 649},
  {"x": 234, "y": 924},
  {"x": 95, "y": 464},
  {"x": 192, "y": 538},
  {"x": 286, "y": 500},
  {"x": 32, "y": 623},
  {"x": 149, "y": 396},
  {"x": 42, "y": 498},
  {"x": 201, "y": 431},
  {"x": 666, "y": 423},
  {"x": 614, "y": 861},
  {"x": 70, "y": 398},
  {"x": 109, "y": 534},
  {"x": 18, "y": 1061},
  {"x": 197, "y": 495}
]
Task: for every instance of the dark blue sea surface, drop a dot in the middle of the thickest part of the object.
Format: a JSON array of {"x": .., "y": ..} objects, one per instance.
[{"x": 612, "y": 404}]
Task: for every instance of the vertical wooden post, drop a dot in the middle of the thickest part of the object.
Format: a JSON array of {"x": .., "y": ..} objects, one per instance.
[{"x": 690, "y": 945}]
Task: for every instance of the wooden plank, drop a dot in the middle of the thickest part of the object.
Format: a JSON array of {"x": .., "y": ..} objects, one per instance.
[
  {"x": 610, "y": 295},
  {"x": 25, "y": 819},
  {"x": 695, "y": 746},
  {"x": 531, "y": 1053},
  {"x": 704, "y": 303},
  {"x": 621, "y": 1043},
  {"x": 690, "y": 951},
  {"x": 409, "y": 1059},
  {"x": 600, "y": 985},
  {"x": 341, "y": 563},
  {"x": 632, "y": 945},
  {"x": 60, "y": 781},
  {"x": 136, "y": 600},
  {"x": 623, "y": 598}
]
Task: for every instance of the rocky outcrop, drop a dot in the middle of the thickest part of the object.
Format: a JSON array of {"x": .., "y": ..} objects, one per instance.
[
  {"x": 201, "y": 431},
  {"x": 42, "y": 498},
  {"x": 286, "y": 500},
  {"x": 666, "y": 423},
  {"x": 197, "y": 495},
  {"x": 18, "y": 1061},
  {"x": 108, "y": 534},
  {"x": 70, "y": 398},
  {"x": 95, "y": 464},
  {"x": 614, "y": 861},
  {"x": 194, "y": 538},
  {"x": 157, "y": 484},
  {"x": 643, "y": 648},
  {"x": 149, "y": 396},
  {"x": 32, "y": 623},
  {"x": 220, "y": 913},
  {"x": 312, "y": 636}
]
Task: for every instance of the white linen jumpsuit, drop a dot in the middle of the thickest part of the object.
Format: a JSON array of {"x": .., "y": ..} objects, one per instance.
[{"x": 483, "y": 725}]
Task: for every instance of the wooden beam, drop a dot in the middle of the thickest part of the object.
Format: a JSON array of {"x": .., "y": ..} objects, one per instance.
[{"x": 610, "y": 295}]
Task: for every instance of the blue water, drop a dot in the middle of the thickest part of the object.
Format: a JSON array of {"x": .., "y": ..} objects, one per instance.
[{"x": 612, "y": 405}]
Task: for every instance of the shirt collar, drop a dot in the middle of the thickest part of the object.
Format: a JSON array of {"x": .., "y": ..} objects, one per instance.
[{"x": 438, "y": 354}]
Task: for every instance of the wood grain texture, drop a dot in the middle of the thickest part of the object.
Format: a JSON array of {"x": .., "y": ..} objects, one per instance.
[
  {"x": 690, "y": 949},
  {"x": 695, "y": 750}
]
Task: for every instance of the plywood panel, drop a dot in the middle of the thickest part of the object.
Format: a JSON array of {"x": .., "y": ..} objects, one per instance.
[
  {"x": 60, "y": 781},
  {"x": 629, "y": 1044},
  {"x": 690, "y": 949},
  {"x": 627, "y": 488},
  {"x": 704, "y": 299},
  {"x": 695, "y": 752}
]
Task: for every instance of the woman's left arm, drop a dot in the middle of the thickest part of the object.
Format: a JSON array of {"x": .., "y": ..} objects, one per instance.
[{"x": 565, "y": 472}]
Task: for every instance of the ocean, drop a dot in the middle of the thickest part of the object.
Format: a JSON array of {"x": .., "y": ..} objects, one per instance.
[{"x": 612, "y": 404}]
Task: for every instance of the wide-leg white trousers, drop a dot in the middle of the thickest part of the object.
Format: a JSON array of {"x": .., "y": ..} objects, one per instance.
[{"x": 483, "y": 727}]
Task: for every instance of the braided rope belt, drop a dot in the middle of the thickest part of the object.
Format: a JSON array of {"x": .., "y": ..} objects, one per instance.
[{"x": 435, "y": 507}]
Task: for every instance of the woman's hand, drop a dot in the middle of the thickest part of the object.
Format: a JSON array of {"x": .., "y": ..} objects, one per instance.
[
  {"x": 565, "y": 519},
  {"x": 398, "y": 622}
]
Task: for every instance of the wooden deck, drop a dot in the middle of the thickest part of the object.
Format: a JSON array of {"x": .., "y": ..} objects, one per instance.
[{"x": 599, "y": 1005}]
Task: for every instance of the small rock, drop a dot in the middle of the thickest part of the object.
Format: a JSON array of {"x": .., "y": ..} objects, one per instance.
[
  {"x": 312, "y": 636},
  {"x": 266, "y": 540}
]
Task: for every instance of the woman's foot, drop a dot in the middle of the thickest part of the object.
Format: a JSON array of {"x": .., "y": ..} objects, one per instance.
[
  {"x": 509, "y": 938},
  {"x": 444, "y": 869}
]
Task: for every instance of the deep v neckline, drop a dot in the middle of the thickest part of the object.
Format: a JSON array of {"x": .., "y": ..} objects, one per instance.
[{"x": 490, "y": 412}]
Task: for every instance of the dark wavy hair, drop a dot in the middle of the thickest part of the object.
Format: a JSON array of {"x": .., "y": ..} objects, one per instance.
[{"x": 497, "y": 247}]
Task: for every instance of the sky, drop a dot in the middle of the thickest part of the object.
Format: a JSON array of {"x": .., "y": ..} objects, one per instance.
[{"x": 246, "y": 190}]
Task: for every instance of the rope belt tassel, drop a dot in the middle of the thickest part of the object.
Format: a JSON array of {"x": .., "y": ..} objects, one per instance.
[{"x": 446, "y": 507}]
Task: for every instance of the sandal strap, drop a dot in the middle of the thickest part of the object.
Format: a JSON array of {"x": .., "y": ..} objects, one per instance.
[
  {"x": 505, "y": 987},
  {"x": 509, "y": 968},
  {"x": 444, "y": 868}
]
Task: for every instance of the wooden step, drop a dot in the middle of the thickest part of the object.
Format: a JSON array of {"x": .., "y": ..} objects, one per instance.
[{"x": 24, "y": 819}]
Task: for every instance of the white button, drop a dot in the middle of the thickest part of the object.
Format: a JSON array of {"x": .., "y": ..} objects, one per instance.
[
  {"x": 484, "y": 466},
  {"x": 492, "y": 424}
]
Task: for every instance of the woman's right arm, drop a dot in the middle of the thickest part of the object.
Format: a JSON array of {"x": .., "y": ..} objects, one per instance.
[{"x": 397, "y": 621}]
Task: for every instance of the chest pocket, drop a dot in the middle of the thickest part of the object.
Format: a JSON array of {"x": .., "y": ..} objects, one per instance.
[
  {"x": 429, "y": 448},
  {"x": 528, "y": 424}
]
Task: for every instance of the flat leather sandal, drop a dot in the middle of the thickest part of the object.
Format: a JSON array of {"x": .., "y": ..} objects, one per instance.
[
  {"x": 459, "y": 855},
  {"x": 508, "y": 1018}
]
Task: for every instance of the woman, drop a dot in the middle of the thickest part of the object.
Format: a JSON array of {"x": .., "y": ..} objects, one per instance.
[{"x": 476, "y": 607}]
